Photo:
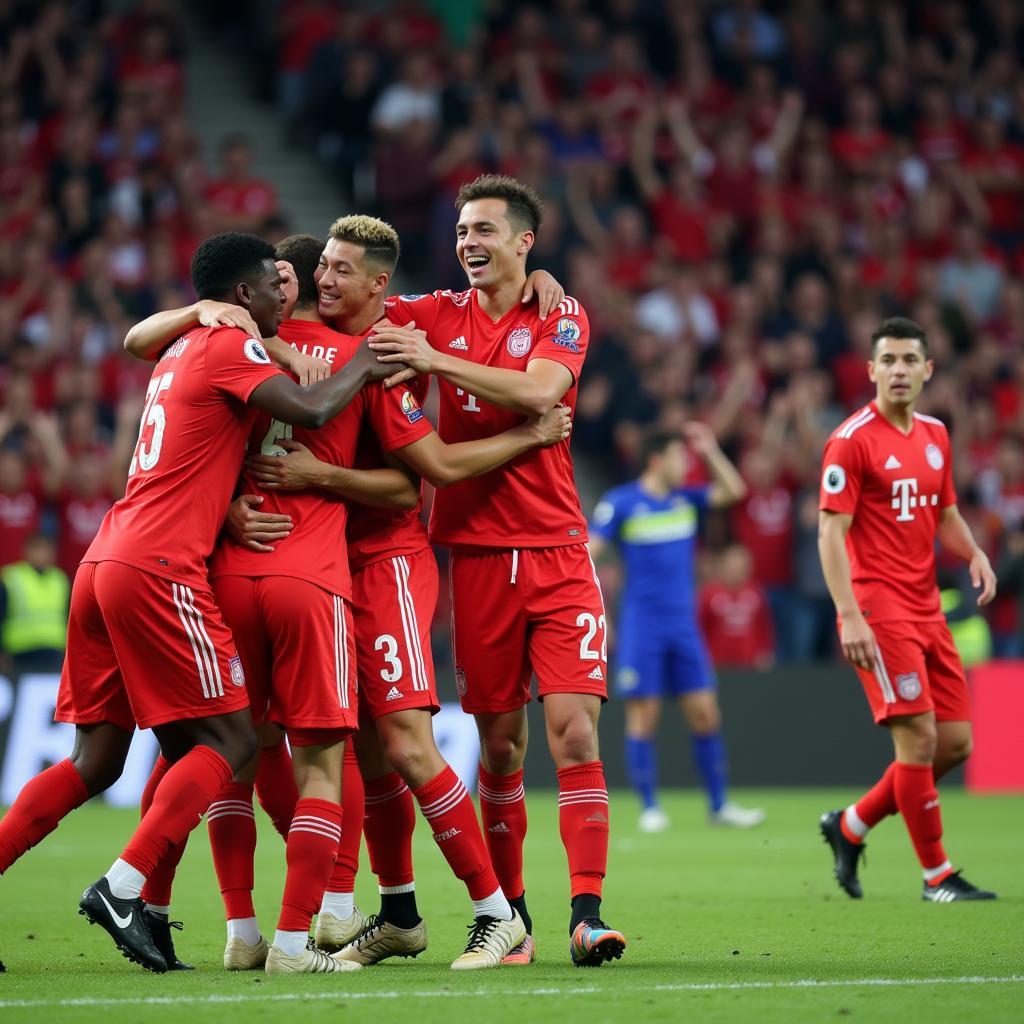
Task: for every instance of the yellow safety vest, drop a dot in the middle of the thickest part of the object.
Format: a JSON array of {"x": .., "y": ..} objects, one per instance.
[
  {"x": 971, "y": 636},
  {"x": 37, "y": 608}
]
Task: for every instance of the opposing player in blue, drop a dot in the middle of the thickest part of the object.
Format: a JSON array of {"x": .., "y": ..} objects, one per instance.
[{"x": 660, "y": 652}]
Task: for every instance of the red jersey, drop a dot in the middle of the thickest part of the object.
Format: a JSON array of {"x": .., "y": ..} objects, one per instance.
[
  {"x": 316, "y": 549},
  {"x": 530, "y": 502},
  {"x": 894, "y": 485},
  {"x": 19, "y": 518},
  {"x": 79, "y": 520},
  {"x": 737, "y": 624},
  {"x": 190, "y": 449},
  {"x": 763, "y": 523}
]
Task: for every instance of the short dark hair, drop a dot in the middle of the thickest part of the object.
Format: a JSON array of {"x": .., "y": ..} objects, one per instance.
[
  {"x": 901, "y": 328},
  {"x": 525, "y": 209},
  {"x": 303, "y": 253},
  {"x": 377, "y": 238},
  {"x": 655, "y": 442},
  {"x": 223, "y": 261}
]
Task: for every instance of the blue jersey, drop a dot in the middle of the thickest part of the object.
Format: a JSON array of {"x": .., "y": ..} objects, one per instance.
[{"x": 657, "y": 538}]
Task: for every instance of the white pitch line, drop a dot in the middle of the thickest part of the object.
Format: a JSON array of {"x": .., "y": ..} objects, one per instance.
[{"x": 341, "y": 993}]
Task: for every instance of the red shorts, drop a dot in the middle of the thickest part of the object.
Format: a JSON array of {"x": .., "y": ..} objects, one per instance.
[
  {"x": 297, "y": 645},
  {"x": 144, "y": 650},
  {"x": 521, "y": 612},
  {"x": 917, "y": 669},
  {"x": 392, "y": 607}
]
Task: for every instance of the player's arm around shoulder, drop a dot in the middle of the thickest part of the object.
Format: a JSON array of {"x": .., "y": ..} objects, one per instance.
[{"x": 149, "y": 337}]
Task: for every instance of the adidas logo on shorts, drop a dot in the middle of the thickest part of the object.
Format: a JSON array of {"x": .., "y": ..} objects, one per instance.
[
  {"x": 394, "y": 694},
  {"x": 596, "y": 673}
]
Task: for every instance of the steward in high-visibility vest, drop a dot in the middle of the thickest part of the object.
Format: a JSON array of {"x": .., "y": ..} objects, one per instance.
[
  {"x": 971, "y": 634},
  {"x": 35, "y": 602}
]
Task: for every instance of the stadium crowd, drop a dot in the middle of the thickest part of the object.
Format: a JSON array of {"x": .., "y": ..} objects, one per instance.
[{"x": 737, "y": 192}]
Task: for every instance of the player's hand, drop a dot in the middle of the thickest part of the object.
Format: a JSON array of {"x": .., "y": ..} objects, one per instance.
[
  {"x": 548, "y": 292},
  {"x": 554, "y": 426},
  {"x": 700, "y": 437},
  {"x": 306, "y": 369},
  {"x": 253, "y": 529},
  {"x": 289, "y": 285},
  {"x": 982, "y": 577},
  {"x": 299, "y": 469},
  {"x": 211, "y": 313},
  {"x": 402, "y": 345},
  {"x": 392, "y": 371},
  {"x": 858, "y": 641}
]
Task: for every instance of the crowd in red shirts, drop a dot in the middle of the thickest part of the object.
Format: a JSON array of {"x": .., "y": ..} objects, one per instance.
[{"x": 737, "y": 192}]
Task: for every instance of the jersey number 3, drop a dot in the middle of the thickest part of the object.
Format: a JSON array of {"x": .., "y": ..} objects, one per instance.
[{"x": 153, "y": 415}]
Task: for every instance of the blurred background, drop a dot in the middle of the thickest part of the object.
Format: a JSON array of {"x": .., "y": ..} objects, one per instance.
[{"x": 736, "y": 191}]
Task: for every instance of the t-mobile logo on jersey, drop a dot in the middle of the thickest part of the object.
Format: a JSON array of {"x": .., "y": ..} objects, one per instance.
[{"x": 905, "y": 497}]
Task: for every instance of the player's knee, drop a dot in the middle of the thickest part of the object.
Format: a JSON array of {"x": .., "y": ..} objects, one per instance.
[
  {"x": 922, "y": 741},
  {"x": 959, "y": 750},
  {"x": 575, "y": 742},
  {"x": 503, "y": 754},
  {"x": 705, "y": 720},
  {"x": 99, "y": 771}
]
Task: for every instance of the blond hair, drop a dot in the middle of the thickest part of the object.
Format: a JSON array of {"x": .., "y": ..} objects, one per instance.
[{"x": 377, "y": 238}]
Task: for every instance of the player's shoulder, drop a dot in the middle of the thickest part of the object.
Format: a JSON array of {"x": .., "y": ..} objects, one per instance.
[
  {"x": 852, "y": 428},
  {"x": 570, "y": 306},
  {"x": 931, "y": 424}
]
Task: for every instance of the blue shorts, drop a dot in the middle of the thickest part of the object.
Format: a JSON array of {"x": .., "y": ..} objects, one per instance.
[{"x": 660, "y": 662}]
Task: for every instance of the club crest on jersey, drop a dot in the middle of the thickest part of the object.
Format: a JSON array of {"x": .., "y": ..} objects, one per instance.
[
  {"x": 934, "y": 456},
  {"x": 834, "y": 479},
  {"x": 237, "y": 674},
  {"x": 411, "y": 407},
  {"x": 909, "y": 686},
  {"x": 519, "y": 341},
  {"x": 255, "y": 352}
]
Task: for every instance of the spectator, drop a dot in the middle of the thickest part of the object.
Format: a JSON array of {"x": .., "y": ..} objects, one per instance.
[{"x": 734, "y": 614}]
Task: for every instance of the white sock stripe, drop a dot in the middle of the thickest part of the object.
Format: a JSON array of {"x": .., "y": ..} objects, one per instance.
[
  {"x": 403, "y": 610},
  {"x": 584, "y": 792},
  {"x": 422, "y": 683},
  {"x": 200, "y": 624},
  {"x": 333, "y": 836},
  {"x": 212, "y": 815},
  {"x": 247, "y": 804},
  {"x": 854, "y": 822},
  {"x": 494, "y": 796},
  {"x": 384, "y": 798},
  {"x": 315, "y": 819},
  {"x": 191, "y": 639},
  {"x": 451, "y": 799},
  {"x": 563, "y": 801}
]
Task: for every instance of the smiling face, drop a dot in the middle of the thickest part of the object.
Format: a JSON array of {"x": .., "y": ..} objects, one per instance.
[
  {"x": 899, "y": 369},
  {"x": 490, "y": 248},
  {"x": 263, "y": 296},
  {"x": 347, "y": 283}
]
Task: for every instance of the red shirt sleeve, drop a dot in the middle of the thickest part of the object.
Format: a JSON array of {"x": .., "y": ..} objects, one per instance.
[
  {"x": 947, "y": 496},
  {"x": 237, "y": 364},
  {"x": 841, "y": 476},
  {"x": 422, "y": 309},
  {"x": 396, "y": 416},
  {"x": 564, "y": 337}
]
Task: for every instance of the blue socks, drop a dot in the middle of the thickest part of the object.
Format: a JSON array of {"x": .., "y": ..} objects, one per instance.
[
  {"x": 642, "y": 769},
  {"x": 709, "y": 759}
]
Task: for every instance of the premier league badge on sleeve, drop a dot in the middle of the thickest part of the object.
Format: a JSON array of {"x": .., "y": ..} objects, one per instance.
[
  {"x": 519, "y": 342},
  {"x": 834, "y": 479},
  {"x": 255, "y": 352}
]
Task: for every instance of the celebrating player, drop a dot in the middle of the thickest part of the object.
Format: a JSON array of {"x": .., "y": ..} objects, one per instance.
[
  {"x": 525, "y": 596},
  {"x": 146, "y": 642},
  {"x": 886, "y": 494},
  {"x": 384, "y": 605},
  {"x": 660, "y": 651}
]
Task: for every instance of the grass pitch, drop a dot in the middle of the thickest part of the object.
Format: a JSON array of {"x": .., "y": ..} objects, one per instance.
[{"x": 722, "y": 926}]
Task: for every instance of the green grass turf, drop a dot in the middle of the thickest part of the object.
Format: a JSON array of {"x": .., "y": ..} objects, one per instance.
[{"x": 700, "y": 906}]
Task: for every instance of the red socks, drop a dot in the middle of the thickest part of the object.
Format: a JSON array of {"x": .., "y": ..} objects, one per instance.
[
  {"x": 878, "y": 803},
  {"x": 583, "y": 824},
  {"x": 343, "y": 877},
  {"x": 445, "y": 803},
  {"x": 312, "y": 846},
  {"x": 157, "y": 890},
  {"x": 388, "y": 825},
  {"x": 38, "y": 810},
  {"x": 232, "y": 827},
  {"x": 918, "y": 803},
  {"x": 275, "y": 786},
  {"x": 503, "y": 811},
  {"x": 181, "y": 799}
]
